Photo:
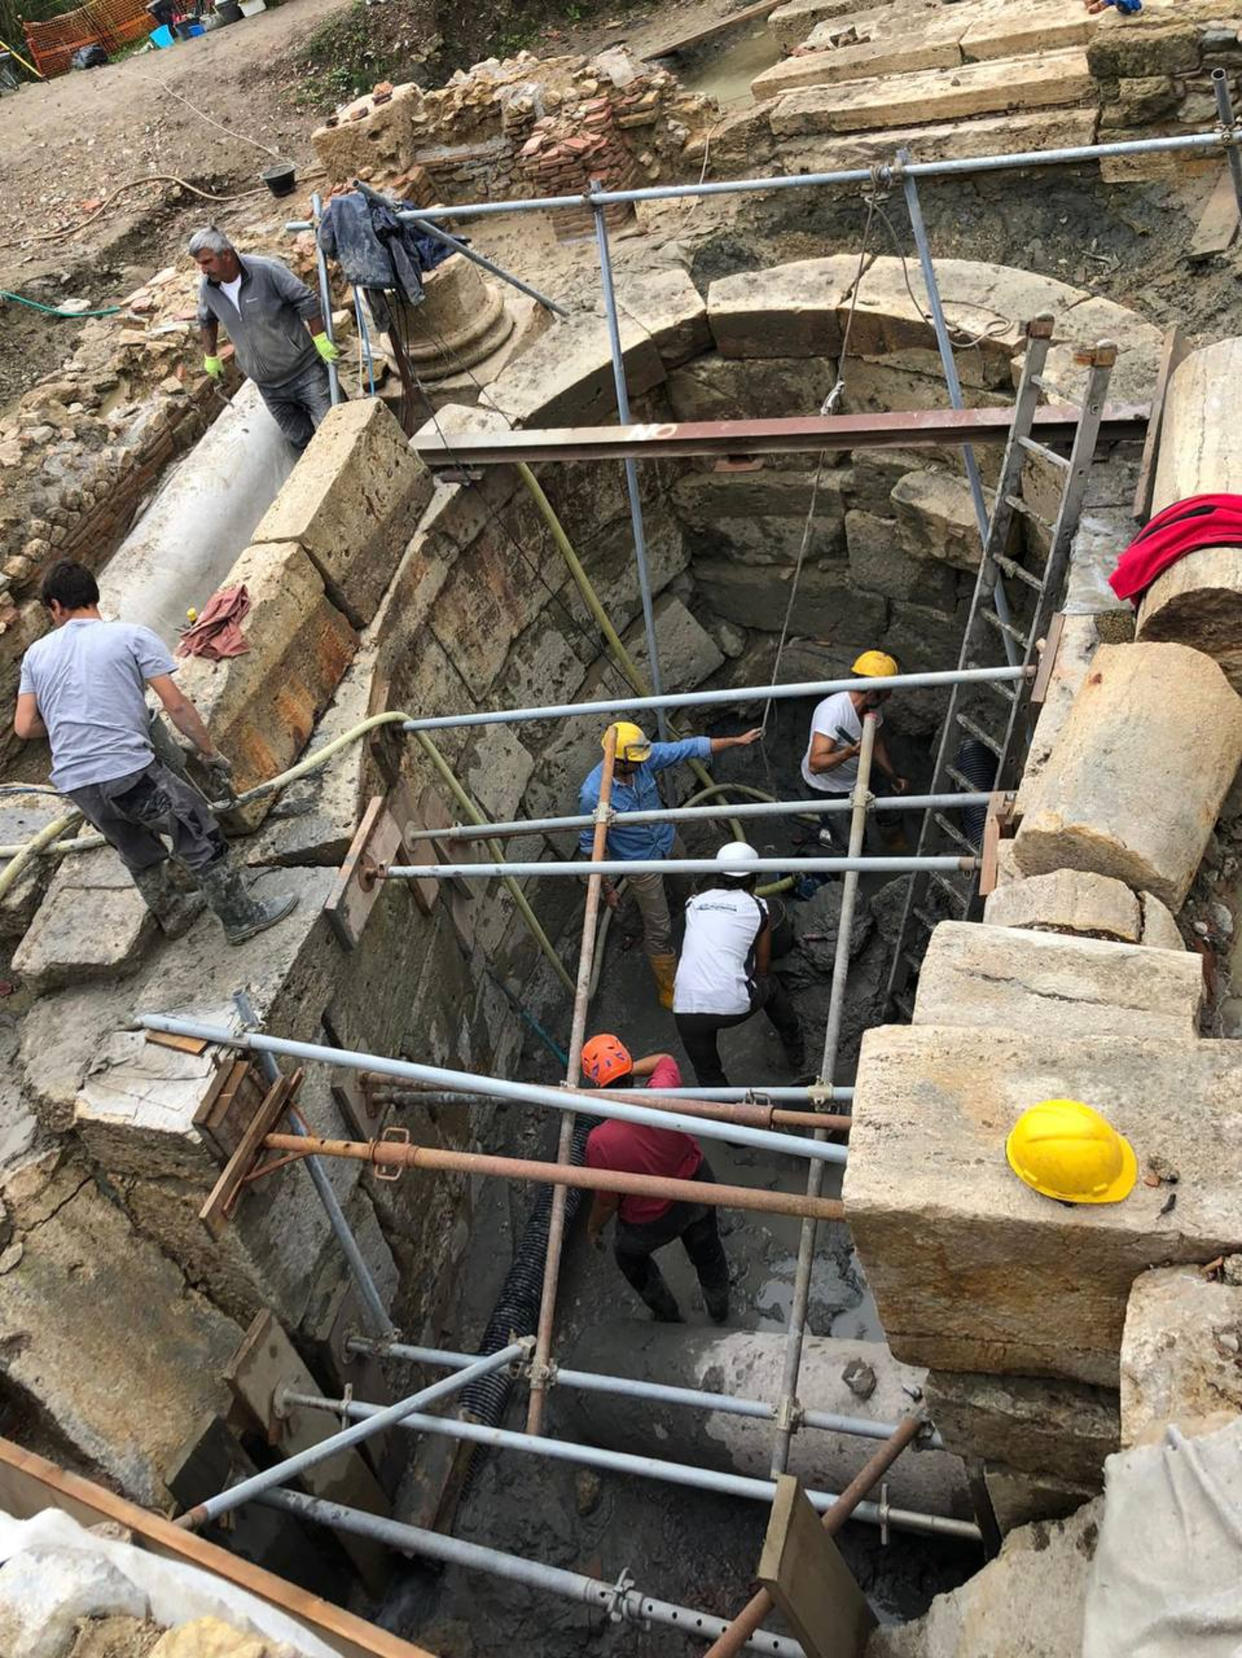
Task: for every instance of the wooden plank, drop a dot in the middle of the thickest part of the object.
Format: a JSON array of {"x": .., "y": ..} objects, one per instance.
[
  {"x": 355, "y": 892},
  {"x": 236, "y": 1093},
  {"x": 215, "y": 1212},
  {"x": 409, "y": 816},
  {"x": 1173, "y": 350},
  {"x": 182, "y": 1044},
  {"x": 748, "y": 14},
  {"x": 1047, "y": 660},
  {"x": 1219, "y": 222},
  {"x": 802, "y": 1569},
  {"x": 265, "y": 1363},
  {"x": 29, "y": 1484}
]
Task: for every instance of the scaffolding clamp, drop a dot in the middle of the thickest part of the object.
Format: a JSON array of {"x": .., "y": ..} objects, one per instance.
[
  {"x": 616, "y": 1599},
  {"x": 884, "y": 1512},
  {"x": 789, "y": 1414},
  {"x": 541, "y": 1373},
  {"x": 346, "y": 1400},
  {"x": 392, "y": 1136}
]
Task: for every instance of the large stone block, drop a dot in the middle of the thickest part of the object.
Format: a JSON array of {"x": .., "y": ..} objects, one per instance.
[
  {"x": 1181, "y": 1355},
  {"x": 1075, "y": 653},
  {"x": 92, "y": 924},
  {"x": 1027, "y": 1603},
  {"x": 970, "y": 1268},
  {"x": 1089, "y": 906},
  {"x": 877, "y": 561},
  {"x": 936, "y": 95},
  {"x": 1198, "y": 600},
  {"x": 1042, "y": 26},
  {"x": 565, "y": 379},
  {"x": 263, "y": 706},
  {"x": 1017, "y": 979},
  {"x": 789, "y": 311},
  {"x": 855, "y": 63},
  {"x": 794, "y": 20},
  {"x": 352, "y": 504},
  {"x": 1062, "y": 1430},
  {"x": 1159, "y": 46},
  {"x": 828, "y": 606},
  {"x": 936, "y": 518},
  {"x": 22, "y": 816},
  {"x": 81, "y": 1294},
  {"x": 671, "y": 309},
  {"x": 688, "y": 653},
  {"x": 1139, "y": 772},
  {"x": 713, "y": 387}
]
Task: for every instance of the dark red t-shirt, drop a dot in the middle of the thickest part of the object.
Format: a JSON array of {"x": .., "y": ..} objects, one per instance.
[{"x": 633, "y": 1148}]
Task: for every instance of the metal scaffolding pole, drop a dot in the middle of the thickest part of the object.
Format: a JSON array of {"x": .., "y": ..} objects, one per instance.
[
  {"x": 743, "y": 1627},
  {"x": 573, "y": 1068},
  {"x": 1198, "y": 143},
  {"x": 325, "y": 294},
  {"x": 674, "y": 866},
  {"x": 757, "y": 1115},
  {"x": 597, "y": 1104},
  {"x": 621, "y": 1600},
  {"x": 817, "y": 688},
  {"x": 1224, "y": 108},
  {"x": 832, "y": 1037},
  {"x": 824, "y": 806},
  {"x": 755, "y": 1091},
  {"x": 378, "y": 1418},
  {"x": 590, "y": 1381},
  {"x": 631, "y": 470},
  {"x": 954, "y": 384},
  {"x": 372, "y": 1300},
  {"x": 626, "y": 1462}
]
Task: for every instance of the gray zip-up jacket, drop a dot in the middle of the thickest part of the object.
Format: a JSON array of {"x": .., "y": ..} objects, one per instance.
[{"x": 269, "y": 332}]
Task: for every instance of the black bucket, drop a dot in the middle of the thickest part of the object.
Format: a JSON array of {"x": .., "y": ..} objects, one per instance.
[
  {"x": 782, "y": 928},
  {"x": 228, "y": 11},
  {"x": 281, "y": 178}
]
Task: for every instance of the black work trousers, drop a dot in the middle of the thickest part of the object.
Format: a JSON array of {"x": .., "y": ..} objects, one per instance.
[
  {"x": 695, "y": 1225},
  {"x": 698, "y": 1031},
  {"x": 137, "y": 813}
]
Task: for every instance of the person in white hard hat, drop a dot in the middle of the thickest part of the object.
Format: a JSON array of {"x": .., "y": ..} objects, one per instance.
[{"x": 723, "y": 976}]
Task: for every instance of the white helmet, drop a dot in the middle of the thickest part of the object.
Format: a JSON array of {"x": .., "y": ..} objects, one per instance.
[{"x": 736, "y": 859}]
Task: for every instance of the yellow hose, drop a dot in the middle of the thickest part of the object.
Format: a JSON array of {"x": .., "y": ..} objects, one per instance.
[{"x": 50, "y": 832}]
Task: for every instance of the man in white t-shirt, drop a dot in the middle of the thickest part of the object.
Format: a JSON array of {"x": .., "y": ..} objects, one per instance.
[
  {"x": 723, "y": 975},
  {"x": 830, "y": 764}
]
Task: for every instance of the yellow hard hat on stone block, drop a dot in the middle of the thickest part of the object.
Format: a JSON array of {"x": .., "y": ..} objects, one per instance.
[{"x": 1065, "y": 1150}]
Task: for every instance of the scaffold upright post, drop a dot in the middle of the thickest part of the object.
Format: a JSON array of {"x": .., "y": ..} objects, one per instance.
[
  {"x": 631, "y": 470},
  {"x": 325, "y": 294},
  {"x": 564, "y": 1148},
  {"x": 1224, "y": 108},
  {"x": 832, "y": 1039}
]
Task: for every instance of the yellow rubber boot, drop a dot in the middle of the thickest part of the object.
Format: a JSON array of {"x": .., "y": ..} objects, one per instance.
[{"x": 664, "y": 971}]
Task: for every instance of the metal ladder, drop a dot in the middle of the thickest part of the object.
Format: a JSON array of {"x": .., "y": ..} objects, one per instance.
[{"x": 932, "y": 896}]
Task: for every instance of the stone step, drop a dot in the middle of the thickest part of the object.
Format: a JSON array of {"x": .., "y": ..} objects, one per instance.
[
  {"x": 792, "y": 22},
  {"x": 1018, "y": 979},
  {"x": 855, "y": 63},
  {"x": 1057, "y": 78}
]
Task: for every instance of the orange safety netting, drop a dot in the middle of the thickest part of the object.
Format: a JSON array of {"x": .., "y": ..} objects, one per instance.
[{"x": 110, "y": 23}]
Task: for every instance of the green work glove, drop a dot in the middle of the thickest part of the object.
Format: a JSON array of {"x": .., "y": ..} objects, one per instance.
[
  {"x": 214, "y": 366},
  {"x": 325, "y": 348}
]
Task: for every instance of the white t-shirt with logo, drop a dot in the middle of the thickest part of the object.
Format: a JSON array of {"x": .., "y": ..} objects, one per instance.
[
  {"x": 836, "y": 718},
  {"x": 233, "y": 289},
  {"x": 716, "y": 973}
]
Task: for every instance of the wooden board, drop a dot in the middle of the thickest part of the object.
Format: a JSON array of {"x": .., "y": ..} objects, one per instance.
[
  {"x": 29, "y": 1484},
  {"x": 236, "y": 1093},
  {"x": 803, "y": 1571},
  {"x": 409, "y": 816},
  {"x": 224, "y": 1194},
  {"x": 354, "y": 894},
  {"x": 1172, "y": 352},
  {"x": 182, "y": 1044},
  {"x": 267, "y": 1361},
  {"x": 1219, "y": 222},
  {"x": 1047, "y": 660}
]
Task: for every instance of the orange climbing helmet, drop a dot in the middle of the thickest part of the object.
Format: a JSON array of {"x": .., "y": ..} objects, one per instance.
[{"x": 605, "y": 1059}]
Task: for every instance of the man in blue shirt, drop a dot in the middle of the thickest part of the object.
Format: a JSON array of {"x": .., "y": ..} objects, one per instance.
[{"x": 634, "y": 790}]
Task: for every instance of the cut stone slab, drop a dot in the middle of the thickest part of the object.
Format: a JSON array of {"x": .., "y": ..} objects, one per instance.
[
  {"x": 262, "y": 707},
  {"x": 1198, "y": 600},
  {"x": 793, "y": 21},
  {"x": 688, "y": 653},
  {"x": 1027, "y": 1603},
  {"x": 1061, "y": 1430},
  {"x": 1020, "y": 1499},
  {"x": 115, "y": 1295},
  {"x": 1038, "y": 27},
  {"x": 1140, "y": 769},
  {"x": 1160, "y": 929},
  {"x": 1181, "y": 1355},
  {"x": 1080, "y": 640},
  {"x": 936, "y": 518},
  {"x": 855, "y": 63},
  {"x": 352, "y": 504},
  {"x": 671, "y": 309},
  {"x": 936, "y": 95},
  {"x": 971, "y": 1269},
  {"x": 565, "y": 379},
  {"x": 1068, "y": 901},
  {"x": 877, "y": 561},
  {"x": 92, "y": 924},
  {"x": 1034, "y": 981},
  {"x": 829, "y": 606},
  {"x": 790, "y": 311}
]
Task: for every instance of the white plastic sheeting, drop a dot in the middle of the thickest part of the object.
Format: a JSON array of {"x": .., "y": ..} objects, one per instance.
[
  {"x": 98, "y": 1576},
  {"x": 1167, "y": 1577},
  {"x": 186, "y": 542}
]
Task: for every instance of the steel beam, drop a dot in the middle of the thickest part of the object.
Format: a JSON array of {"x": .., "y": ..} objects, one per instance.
[{"x": 662, "y": 440}]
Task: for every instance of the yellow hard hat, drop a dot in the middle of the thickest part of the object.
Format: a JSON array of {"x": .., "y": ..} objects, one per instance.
[
  {"x": 1066, "y": 1150},
  {"x": 631, "y": 744},
  {"x": 875, "y": 665}
]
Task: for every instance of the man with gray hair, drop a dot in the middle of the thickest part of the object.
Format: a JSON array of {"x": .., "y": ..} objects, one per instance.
[{"x": 276, "y": 326}]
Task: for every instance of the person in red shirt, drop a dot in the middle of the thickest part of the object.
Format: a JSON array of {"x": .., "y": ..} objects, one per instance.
[{"x": 645, "y": 1224}]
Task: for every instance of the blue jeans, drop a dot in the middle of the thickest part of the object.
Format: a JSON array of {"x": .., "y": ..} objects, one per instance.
[{"x": 299, "y": 405}]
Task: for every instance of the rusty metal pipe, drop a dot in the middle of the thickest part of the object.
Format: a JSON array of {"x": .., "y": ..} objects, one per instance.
[
  {"x": 752, "y": 1113},
  {"x": 564, "y": 1145},
  {"x": 759, "y": 1606},
  {"x": 401, "y": 1154}
]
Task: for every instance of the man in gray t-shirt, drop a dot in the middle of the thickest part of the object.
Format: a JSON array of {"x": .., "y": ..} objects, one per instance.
[{"x": 84, "y": 686}]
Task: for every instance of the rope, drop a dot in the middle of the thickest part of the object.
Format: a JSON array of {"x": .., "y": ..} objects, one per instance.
[{"x": 132, "y": 184}]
